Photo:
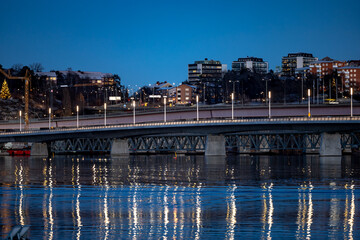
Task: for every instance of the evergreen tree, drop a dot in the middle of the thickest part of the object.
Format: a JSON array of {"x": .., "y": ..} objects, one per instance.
[{"x": 5, "y": 92}]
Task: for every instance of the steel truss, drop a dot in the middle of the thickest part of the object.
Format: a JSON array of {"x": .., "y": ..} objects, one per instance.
[
  {"x": 253, "y": 142},
  {"x": 239, "y": 142}
]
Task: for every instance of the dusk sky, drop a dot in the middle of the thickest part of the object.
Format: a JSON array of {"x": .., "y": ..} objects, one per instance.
[{"x": 149, "y": 41}]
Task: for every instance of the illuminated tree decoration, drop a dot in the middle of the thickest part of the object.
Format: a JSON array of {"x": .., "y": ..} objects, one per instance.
[{"x": 5, "y": 92}]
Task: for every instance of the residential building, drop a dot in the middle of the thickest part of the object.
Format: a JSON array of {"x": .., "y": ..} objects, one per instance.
[
  {"x": 47, "y": 76},
  {"x": 183, "y": 94},
  {"x": 350, "y": 77},
  {"x": 296, "y": 60},
  {"x": 254, "y": 64},
  {"x": 325, "y": 66},
  {"x": 208, "y": 69}
]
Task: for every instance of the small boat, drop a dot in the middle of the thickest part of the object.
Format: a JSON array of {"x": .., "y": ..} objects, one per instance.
[{"x": 19, "y": 152}]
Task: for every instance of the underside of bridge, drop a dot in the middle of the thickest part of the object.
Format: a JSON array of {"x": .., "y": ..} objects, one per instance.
[{"x": 249, "y": 143}]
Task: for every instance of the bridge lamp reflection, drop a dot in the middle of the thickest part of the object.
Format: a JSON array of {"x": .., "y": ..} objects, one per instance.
[
  {"x": 269, "y": 95},
  {"x": 77, "y": 116},
  {"x": 20, "y": 119},
  {"x": 49, "y": 118},
  {"x": 351, "y": 101},
  {"x": 232, "y": 106},
  {"x": 309, "y": 94},
  {"x": 104, "y": 114},
  {"x": 197, "y": 107}
]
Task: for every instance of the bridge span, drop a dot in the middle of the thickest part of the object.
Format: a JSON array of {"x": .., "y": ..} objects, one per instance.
[{"x": 324, "y": 135}]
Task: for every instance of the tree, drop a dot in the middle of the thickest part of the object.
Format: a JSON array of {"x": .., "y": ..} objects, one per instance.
[
  {"x": 17, "y": 67},
  {"x": 5, "y": 92},
  {"x": 36, "y": 67}
]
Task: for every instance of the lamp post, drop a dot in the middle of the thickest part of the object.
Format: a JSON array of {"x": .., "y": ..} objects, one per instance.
[
  {"x": 133, "y": 103},
  {"x": 77, "y": 116},
  {"x": 269, "y": 95},
  {"x": 232, "y": 106},
  {"x": 49, "y": 118},
  {"x": 20, "y": 119},
  {"x": 197, "y": 107},
  {"x": 164, "y": 108},
  {"x": 309, "y": 114},
  {"x": 351, "y": 102},
  {"x": 104, "y": 114}
]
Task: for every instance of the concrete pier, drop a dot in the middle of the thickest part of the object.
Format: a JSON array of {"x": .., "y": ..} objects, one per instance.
[
  {"x": 120, "y": 147},
  {"x": 330, "y": 144},
  {"x": 39, "y": 149},
  {"x": 215, "y": 145}
]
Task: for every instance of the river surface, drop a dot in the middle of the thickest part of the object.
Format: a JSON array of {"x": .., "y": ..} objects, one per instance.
[{"x": 183, "y": 197}]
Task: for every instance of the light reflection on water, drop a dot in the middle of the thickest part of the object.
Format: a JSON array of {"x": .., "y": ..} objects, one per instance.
[{"x": 258, "y": 197}]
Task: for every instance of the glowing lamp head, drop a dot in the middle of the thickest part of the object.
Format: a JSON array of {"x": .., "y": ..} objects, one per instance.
[
  {"x": 351, "y": 91},
  {"x": 77, "y": 108},
  {"x": 104, "y": 105},
  {"x": 197, "y": 98},
  {"x": 269, "y": 94},
  {"x": 309, "y": 93},
  {"x": 232, "y": 96},
  {"x": 20, "y": 113},
  {"x": 49, "y": 110}
]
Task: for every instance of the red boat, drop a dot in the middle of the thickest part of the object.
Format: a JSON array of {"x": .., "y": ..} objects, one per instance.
[{"x": 19, "y": 152}]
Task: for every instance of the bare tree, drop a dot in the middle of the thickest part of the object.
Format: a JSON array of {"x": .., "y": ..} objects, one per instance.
[
  {"x": 36, "y": 67},
  {"x": 17, "y": 67}
]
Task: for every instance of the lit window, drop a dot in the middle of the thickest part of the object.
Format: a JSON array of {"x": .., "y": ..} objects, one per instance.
[{"x": 187, "y": 98}]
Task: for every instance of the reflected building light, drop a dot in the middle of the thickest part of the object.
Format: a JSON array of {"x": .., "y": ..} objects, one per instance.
[
  {"x": 305, "y": 212},
  {"x": 50, "y": 208},
  {"x": 166, "y": 212},
  {"x": 349, "y": 213},
  {"x": 78, "y": 216},
  {"x": 174, "y": 202},
  {"x": 268, "y": 211},
  {"x": 310, "y": 213},
  {"x": 231, "y": 214},
  {"x": 133, "y": 213},
  {"x": 21, "y": 200},
  {"x": 94, "y": 174},
  {"x": 198, "y": 212},
  {"x": 106, "y": 209}
]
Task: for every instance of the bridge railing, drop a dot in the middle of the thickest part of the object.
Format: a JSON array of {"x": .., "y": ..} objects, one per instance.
[{"x": 191, "y": 122}]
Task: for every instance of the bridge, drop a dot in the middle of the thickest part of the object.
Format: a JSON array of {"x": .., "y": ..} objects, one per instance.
[{"x": 328, "y": 136}]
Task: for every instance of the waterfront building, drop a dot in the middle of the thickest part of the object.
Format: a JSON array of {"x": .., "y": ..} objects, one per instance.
[
  {"x": 183, "y": 94},
  {"x": 296, "y": 60},
  {"x": 206, "y": 69},
  {"x": 350, "y": 77},
  {"x": 325, "y": 66},
  {"x": 253, "y": 64}
]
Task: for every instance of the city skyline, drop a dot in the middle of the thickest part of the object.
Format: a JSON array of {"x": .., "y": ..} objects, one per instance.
[{"x": 146, "y": 42}]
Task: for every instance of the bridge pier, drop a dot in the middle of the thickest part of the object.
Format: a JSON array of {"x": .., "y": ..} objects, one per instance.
[
  {"x": 330, "y": 144},
  {"x": 215, "y": 145},
  {"x": 39, "y": 149},
  {"x": 120, "y": 147}
]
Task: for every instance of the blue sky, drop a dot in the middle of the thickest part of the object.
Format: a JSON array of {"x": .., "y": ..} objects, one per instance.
[{"x": 149, "y": 41}]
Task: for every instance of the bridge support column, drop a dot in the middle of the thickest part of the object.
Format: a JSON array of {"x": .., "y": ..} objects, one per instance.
[
  {"x": 39, "y": 149},
  {"x": 330, "y": 144},
  {"x": 120, "y": 147},
  {"x": 215, "y": 145}
]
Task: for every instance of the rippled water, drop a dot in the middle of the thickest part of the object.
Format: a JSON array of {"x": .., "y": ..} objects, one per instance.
[{"x": 141, "y": 197}]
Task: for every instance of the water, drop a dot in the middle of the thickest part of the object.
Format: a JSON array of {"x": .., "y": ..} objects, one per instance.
[{"x": 152, "y": 197}]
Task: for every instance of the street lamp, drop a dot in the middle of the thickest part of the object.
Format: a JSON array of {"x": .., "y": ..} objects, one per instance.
[
  {"x": 20, "y": 119},
  {"x": 309, "y": 114},
  {"x": 164, "y": 108},
  {"x": 269, "y": 95},
  {"x": 104, "y": 114},
  {"x": 232, "y": 106},
  {"x": 49, "y": 118},
  {"x": 197, "y": 107},
  {"x": 77, "y": 116},
  {"x": 133, "y": 103},
  {"x": 351, "y": 102}
]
